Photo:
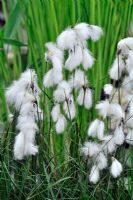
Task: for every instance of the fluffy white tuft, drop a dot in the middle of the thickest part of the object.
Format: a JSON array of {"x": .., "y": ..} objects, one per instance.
[
  {"x": 101, "y": 161},
  {"x": 85, "y": 98},
  {"x": 108, "y": 145},
  {"x": 74, "y": 59},
  {"x": 60, "y": 124},
  {"x": 88, "y": 59},
  {"x": 108, "y": 88},
  {"x": 69, "y": 107},
  {"x": 78, "y": 79},
  {"x": 94, "y": 175},
  {"x": 119, "y": 136},
  {"x": 67, "y": 39},
  {"x": 116, "y": 168},
  {"x": 62, "y": 92},
  {"x": 55, "y": 112},
  {"x": 103, "y": 108}
]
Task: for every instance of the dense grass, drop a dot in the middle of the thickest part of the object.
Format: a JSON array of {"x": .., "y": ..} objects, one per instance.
[{"x": 58, "y": 171}]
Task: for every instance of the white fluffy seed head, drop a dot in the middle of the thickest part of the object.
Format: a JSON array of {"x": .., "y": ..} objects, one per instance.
[
  {"x": 60, "y": 124},
  {"x": 119, "y": 136},
  {"x": 92, "y": 130},
  {"x": 88, "y": 59},
  {"x": 78, "y": 79},
  {"x": 108, "y": 144},
  {"x": 69, "y": 108},
  {"x": 103, "y": 108},
  {"x": 85, "y": 98},
  {"x": 67, "y": 39},
  {"x": 116, "y": 168},
  {"x": 94, "y": 175},
  {"x": 114, "y": 72},
  {"x": 125, "y": 44},
  {"x": 54, "y": 51},
  {"x": 74, "y": 59},
  {"x": 62, "y": 92},
  {"x": 90, "y": 149},
  {"x": 86, "y": 31},
  {"x": 52, "y": 77},
  {"x": 19, "y": 147},
  {"x": 108, "y": 88},
  {"x": 101, "y": 161},
  {"x": 116, "y": 111},
  {"x": 55, "y": 112}
]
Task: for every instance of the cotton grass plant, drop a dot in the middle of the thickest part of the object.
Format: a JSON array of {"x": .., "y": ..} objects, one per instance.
[{"x": 59, "y": 169}]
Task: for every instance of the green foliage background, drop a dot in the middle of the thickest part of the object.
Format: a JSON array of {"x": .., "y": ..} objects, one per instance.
[{"x": 58, "y": 171}]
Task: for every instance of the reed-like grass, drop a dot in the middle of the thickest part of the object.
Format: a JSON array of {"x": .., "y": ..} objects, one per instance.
[{"x": 58, "y": 171}]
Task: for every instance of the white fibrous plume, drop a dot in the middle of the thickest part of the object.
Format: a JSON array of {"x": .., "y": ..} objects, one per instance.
[
  {"x": 103, "y": 108},
  {"x": 54, "y": 56},
  {"x": 113, "y": 127},
  {"x": 90, "y": 149},
  {"x": 61, "y": 124},
  {"x": 69, "y": 107},
  {"x": 74, "y": 40},
  {"x": 108, "y": 88},
  {"x": 85, "y": 98},
  {"x": 72, "y": 43},
  {"x": 74, "y": 59},
  {"x": 119, "y": 136},
  {"x": 108, "y": 144},
  {"x": 78, "y": 79},
  {"x": 88, "y": 59},
  {"x": 24, "y": 94},
  {"x": 94, "y": 175},
  {"x": 116, "y": 168},
  {"x": 55, "y": 112},
  {"x": 96, "y": 129}
]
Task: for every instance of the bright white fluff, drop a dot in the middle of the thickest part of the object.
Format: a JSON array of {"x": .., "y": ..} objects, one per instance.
[
  {"x": 94, "y": 175},
  {"x": 53, "y": 51},
  {"x": 86, "y": 31},
  {"x": 116, "y": 168},
  {"x": 62, "y": 92},
  {"x": 26, "y": 102},
  {"x": 96, "y": 128},
  {"x": 60, "y": 124},
  {"x": 129, "y": 137},
  {"x": 101, "y": 161},
  {"x": 78, "y": 79},
  {"x": 108, "y": 145},
  {"x": 119, "y": 136},
  {"x": 24, "y": 84},
  {"x": 126, "y": 43},
  {"x": 116, "y": 111},
  {"x": 88, "y": 60},
  {"x": 85, "y": 98},
  {"x": 108, "y": 88},
  {"x": 55, "y": 112},
  {"x": 69, "y": 107},
  {"x": 95, "y": 32},
  {"x": 114, "y": 72},
  {"x": 52, "y": 77},
  {"x": 67, "y": 39},
  {"x": 19, "y": 146},
  {"x": 90, "y": 149},
  {"x": 103, "y": 108},
  {"x": 92, "y": 130},
  {"x": 74, "y": 59}
]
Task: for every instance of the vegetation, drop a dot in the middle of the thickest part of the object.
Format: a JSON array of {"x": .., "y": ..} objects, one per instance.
[{"x": 58, "y": 171}]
